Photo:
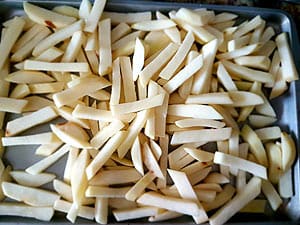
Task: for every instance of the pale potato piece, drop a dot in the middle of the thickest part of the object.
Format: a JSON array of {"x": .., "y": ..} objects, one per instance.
[
  {"x": 244, "y": 98},
  {"x": 85, "y": 86},
  {"x": 165, "y": 215},
  {"x": 256, "y": 146},
  {"x": 84, "y": 9},
  {"x": 83, "y": 211},
  {"x": 107, "y": 150},
  {"x": 12, "y": 105},
  {"x": 222, "y": 98},
  {"x": 20, "y": 91},
  {"x": 27, "y": 48},
  {"x": 138, "y": 58},
  {"x": 105, "y": 55},
  {"x": 238, "y": 43},
  {"x": 268, "y": 133},
  {"x": 285, "y": 185},
  {"x": 106, "y": 192},
  {"x": 242, "y": 164},
  {"x": 200, "y": 155},
  {"x": 72, "y": 156},
  {"x": 34, "y": 139},
  {"x": 194, "y": 111},
  {"x": 288, "y": 66},
  {"x": 23, "y": 123},
  {"x": 94, "y": 16},
  {"x": 137, "y": 190},
  {"x": 119, "y": 31},
  {"x": 66, "y": 10},
  {"x": 259, "y": 62},
  {"x": 247, "y": 73},
  {"x": 77, "y": 40},
  {"x": 30, "y": 180},
  {"x": 116, "y": 176},
  {"x": 247, "y": 50},
  {"x": 128, "y": 18},
  {"x": 186, "y": 191},
  {"x": 12, "y": 33},
  {"x": 223, "y": 17},
  {"x": 199, "y": 123},
  {"x": 135, "y": 213},
  {"x": 288, "y": 149},
  {"x": 28, "y": 77},
  {"x": 209, "y": 135},
  {"x": 157, "y": 63},
  {"x": 188, "y": 71},
  {"x": 169, "y": 70},
  {"x": 29, "y": 195},
  {"x": 260, "y": 120},
  {"x": 23, "y": 210},
  {"x": 45, "y": 88},
  {"x": 127, "y": 78},
  {"x": 271, "y": 194},
  {"x": 66, "y": 113},
  {"x": 43, "y": 164},
  {"x": 46, "y": 17},
  {"x": 173, "y": 33},
  {"x": 217, "y": 178},
  {"x": 150, "y": 161},
  {"x": 170, "y": 203},
  {"x": 194, "y": 18},
  {"x": 248, "y": 26},
  {"x": 225, "y": 78},
  {"x": 251, "y": 191},
  {"x": 57, "y": 37},
  {"x": 153, "y": 25},
  {"x": 103, "y": 135}
]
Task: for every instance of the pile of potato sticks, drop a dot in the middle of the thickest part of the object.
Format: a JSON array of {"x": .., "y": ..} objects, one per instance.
[{"x": 165, "y": 116}]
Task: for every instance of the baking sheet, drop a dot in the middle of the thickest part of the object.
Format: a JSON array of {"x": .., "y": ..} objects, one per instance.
[{"x": 285, "y": 106}]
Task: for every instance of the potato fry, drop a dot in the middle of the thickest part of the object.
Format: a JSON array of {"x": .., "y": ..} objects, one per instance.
[
  {"x": 258, "y": 62},
  {"x": 57, "y": 37},
  {"x": 23, "y": 210},
  {"x": 34, "y": 139},
  {"x": 242, "y": 164},
  {"x": 195, "y": 111},
  {"x": 30, "y": 180},
  {"x": 153, "y": 25},
  {"x": 271, "y": 194},
  {"x": 151, "y": 162},
  {"x": 135, "y": 213},
  {"x": 12, "y": 105},
  {"x": 288, "y": 149},
  {"x": 43, "y": 164},
  {"x": 222, "y": 98},
  {"x": 251, "y": 191},
  {"x": 46, "y": 17},
  {"x": 29, "y": 195}
]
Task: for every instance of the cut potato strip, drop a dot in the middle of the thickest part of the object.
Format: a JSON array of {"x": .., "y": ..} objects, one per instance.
[
  {"x": 94, "y": 16},
  {"x": 288, "y": 66},
  {"x": 241, "y": 199},
  {"x": 239, "y": 43},
  {"x": 174, "y": 63},
  {"x": 193, "y": 18},
  {"x": 34, "y": 139},
  {"x": 285, "y": 186},
  {"x": 153, "y": 25},
  {"x": 111, "y": 177},
  {"x": 157, "y": 63},
  {"x": 23, "y": 123},
  {"x": 106, "y": 192},
  {"x": 243, "y": 98},
  {"x": 46, "y": 17},
  {"x": 12, "y": 33},
  {"x": 225, "y": 78},
  {"x": 138, "y": 58},
  {"x": 288, "y": 148},
  {"x": 45, "y": 88},
  {"x": 73, "y": 47},
  {"x": 195, "y": 111},
  {"x": 136, "y": 155},
  {"x": 28, "y": 77},
  {"x": 268, "y": 133},
  {"x": 128, "y": 18},
  {"x": 247, "y": 50},
  {"x": 43, "y": 164},
  {"x": 184, "y": 123},
  {"x": 83, "y": 211},
  {"x": 135, "y": 213},
  {"x": 150, "y": 161},
  {"x": 119, "y": 31},
  {"x": 242, "y": 164},
  {"x": 186, "y": 191},
  {"x": 128, "y": 83},
  {"x": 84, "y": 87},
  {"x": 137, "y": 190},
  {"x": 258, "y": 62},
  {"x": 166, "y": 215},
  {"x": 29, "y": 195},
  {"x": 60, "y": 67},
  {"x": 72, "y": 156},
  {"x": 23, "y": 210},
  {"x": 173, "y": 33},
  {"x": 105, "y": 153},
  {"x": 30, "y": 180},
  {"x": 47, "y": 149},
  {"x": 139, "y": 105},
  {"x": 222, "y": 98},
  {"x": 247, "y": 73},
  {"x": 105, "y": 55},
  {"x": 200, "y": 155},
  {"x": 101, "y": 210},
  {"x": 256, "y": 146},
  {"x": 103, "y": 135},
  {"x": 57, "y": 37},
  {"x": 223, "y": 17},
  {"x": 215, "y": 177},
  {"x": 12, "y": 105},
  {"x": 248, "y": 26},
  {"x": 271, "y": 194},
  {"x": 209, "y": 135},
  {"x": 188, "y": 71},
  {"x": 170, "y": 203}
]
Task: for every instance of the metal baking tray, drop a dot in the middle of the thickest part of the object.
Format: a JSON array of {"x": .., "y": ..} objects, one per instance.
[{"x": 285, "y": 106}]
